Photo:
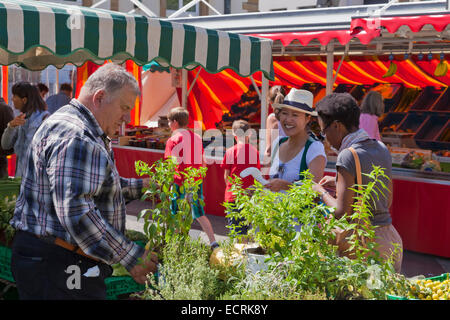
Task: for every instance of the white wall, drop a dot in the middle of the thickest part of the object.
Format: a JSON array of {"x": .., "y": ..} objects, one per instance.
[{"x": 158, "y": 95}]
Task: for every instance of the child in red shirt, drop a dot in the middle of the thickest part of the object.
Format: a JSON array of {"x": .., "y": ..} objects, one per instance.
[
  {"x": 187, "y": 147},
  {"x": 238, "y": 158}
]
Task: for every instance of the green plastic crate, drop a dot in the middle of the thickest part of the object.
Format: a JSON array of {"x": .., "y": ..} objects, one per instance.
[
  {"x": 9, "y": 187},
  {"x": 116, "y": 286},
  {"x": 5, "y": 264},
  {"x": 441, "y": 278}
]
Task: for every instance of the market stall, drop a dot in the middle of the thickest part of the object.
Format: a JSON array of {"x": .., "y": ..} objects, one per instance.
[
  {"x": 351, "y": 49},
  {"x": 48, "y": 33}
]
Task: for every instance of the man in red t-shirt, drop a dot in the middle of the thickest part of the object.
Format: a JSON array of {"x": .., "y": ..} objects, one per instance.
[
  {"x": 187, "y": 148},
  {"x": 238, "y": 158}
]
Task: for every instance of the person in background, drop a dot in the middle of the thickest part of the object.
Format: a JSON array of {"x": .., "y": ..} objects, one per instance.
[
  {"x": 43, "y": 90},
  {"x": 372, "y": 107},
  {"x": 273, "y": 127},
  {"x": 298, "y": 151},
  {"x": 56, "y": 101},
  {"x": 70, "y": 213},
  {"x": 238, "y": 158},
  {"x": 21, "y": 129},
  {"x": 6, "y": 115},
  {"x": 339, "y": 122},
  {"x": 187, "y": 147}
]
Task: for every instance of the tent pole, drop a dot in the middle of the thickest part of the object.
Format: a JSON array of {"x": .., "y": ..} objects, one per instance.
[
  {"x": 256, "y": 87},
  {"x": 193, "y": 82},
  {"x": 330, "y": 60},
  {"x": 264, "y": 92},
  {"x": 184, "y": 76},
  {"x": 262, "y": 133}
]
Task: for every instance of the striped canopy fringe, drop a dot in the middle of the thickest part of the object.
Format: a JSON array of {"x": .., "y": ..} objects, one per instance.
[{"x": 37, "y": 34}]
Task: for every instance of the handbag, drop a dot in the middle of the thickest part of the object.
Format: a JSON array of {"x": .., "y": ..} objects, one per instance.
[{"x": 342, "y": 236}]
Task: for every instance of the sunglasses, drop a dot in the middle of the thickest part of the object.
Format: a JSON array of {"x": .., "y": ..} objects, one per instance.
[
  {"x": 281, "y": 169},
  {"x": 322, "y": 134}
]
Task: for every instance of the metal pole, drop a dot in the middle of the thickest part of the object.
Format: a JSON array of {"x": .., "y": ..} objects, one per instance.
[
  {"x": 264, "y": 92},
  {"x": 95, "y": 5},
  {"x": 330, "y": 61},
  {"x": 144, "y": 9},
  {"x": 184, "y": 76},
  {"x": 193, "y": 82},
  {"x": 262, "y": 134}
]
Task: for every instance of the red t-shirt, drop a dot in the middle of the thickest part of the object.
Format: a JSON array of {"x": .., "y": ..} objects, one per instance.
[
  {"x": 238, "y": 158},
  {"x": 187, "y": 147}
]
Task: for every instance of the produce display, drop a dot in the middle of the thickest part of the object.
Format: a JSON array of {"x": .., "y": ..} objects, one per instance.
[
  {"x": 144, "y": 137},
  {"x": 420, "y": 288},
  {"x": 431, "y": 290},
  {"x": 9, "y": 187}
]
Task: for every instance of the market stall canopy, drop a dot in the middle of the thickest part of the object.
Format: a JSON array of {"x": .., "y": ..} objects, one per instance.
[
  {"x": 307, "y": 31},
  {"x": 392, "y": 23},
  {"x": 214, "y": 95},
  {"x": 37, "y": 34}
]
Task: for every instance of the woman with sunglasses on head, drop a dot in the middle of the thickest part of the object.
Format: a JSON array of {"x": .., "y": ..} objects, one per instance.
[
  {"x": 298, "y": 151},
  {"x": 339, "y": 122},
  {"x": 21, "y": 129}
]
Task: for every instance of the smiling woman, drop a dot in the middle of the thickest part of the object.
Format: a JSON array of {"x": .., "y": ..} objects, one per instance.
[{"x": 298, "y": 151}]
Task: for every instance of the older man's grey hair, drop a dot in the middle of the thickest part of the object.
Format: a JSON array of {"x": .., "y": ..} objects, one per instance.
[{"x": 111, "y": 78}]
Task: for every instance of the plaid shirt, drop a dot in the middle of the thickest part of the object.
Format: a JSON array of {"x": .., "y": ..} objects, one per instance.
[{"x": 71, "y": 188}]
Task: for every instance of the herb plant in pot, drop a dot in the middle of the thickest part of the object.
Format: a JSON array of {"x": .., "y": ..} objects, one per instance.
[{"x": 159, "y": 221}]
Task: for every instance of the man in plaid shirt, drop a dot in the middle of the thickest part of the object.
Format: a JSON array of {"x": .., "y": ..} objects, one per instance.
[{"x": 70, "y": 214}]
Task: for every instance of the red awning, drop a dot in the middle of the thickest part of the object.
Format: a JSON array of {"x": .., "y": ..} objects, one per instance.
[
  {"x": 373, "y": 24},
  {"x": 214, "y": 94},
  {"x": 365, "y": 29},
  {"x": 324, "y": 37}
]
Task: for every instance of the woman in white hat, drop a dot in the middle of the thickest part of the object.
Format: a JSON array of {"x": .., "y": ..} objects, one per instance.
[{"x": 298, "y": 151}]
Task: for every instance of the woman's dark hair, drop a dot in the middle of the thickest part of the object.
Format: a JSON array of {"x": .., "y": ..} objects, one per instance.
[
  {"x": 42, "y": 87},
  {"x": 34, "y": 100},
  {"x": 341, "y": 107}
]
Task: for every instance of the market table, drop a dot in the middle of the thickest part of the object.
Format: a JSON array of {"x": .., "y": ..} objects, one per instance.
[
  {"x": 214, "y": 183},
  {"x": 420, "y": 209}
]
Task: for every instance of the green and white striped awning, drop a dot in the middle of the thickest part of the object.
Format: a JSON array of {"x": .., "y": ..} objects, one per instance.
[{"x": 37, "y": 34}]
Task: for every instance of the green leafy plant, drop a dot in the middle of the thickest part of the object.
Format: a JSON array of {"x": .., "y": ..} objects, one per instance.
[
  {"x": 309, "y": 262},
  {"x": 159, "y": 221},
  {"x": 274, "y": 216},
  {"x": 186, "y": 274},
  {"x": 7, "y": 206}
]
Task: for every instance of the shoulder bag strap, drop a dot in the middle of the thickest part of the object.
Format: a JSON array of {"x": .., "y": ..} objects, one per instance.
[
  {"x": 358, "y": 167},
  {"x": 277, "y": 146},
  {"x": 303, "y": 164}
]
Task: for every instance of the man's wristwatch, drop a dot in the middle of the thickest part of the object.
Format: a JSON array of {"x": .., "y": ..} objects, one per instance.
[{"x": 322, "y": 194}]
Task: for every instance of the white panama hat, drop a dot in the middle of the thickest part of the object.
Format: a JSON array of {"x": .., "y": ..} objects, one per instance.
[{"x": 298, "y": 100}]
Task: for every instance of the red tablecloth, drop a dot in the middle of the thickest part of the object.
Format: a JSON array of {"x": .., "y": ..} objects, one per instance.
[
  {"x": 420, "y": 212},
  {"x": 213, "y": 185}
]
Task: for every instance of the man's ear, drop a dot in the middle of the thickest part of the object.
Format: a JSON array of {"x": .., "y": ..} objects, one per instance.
[{"x": 98, "y": 97}]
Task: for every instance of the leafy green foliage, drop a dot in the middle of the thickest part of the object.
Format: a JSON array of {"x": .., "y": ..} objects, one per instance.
[
  {"x": 7, "y": 206},
  {"x": 134, "y": 235},
  {"x": 186, "y": 274},
  {"x": 309, "y": 261},
  {"x": 159, "y": 222}
]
